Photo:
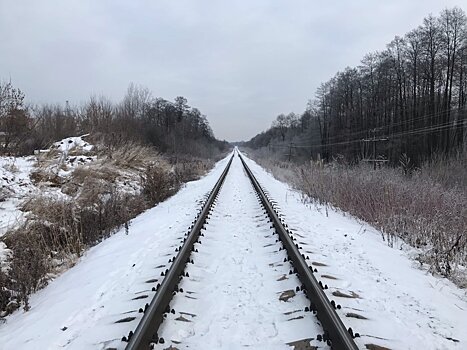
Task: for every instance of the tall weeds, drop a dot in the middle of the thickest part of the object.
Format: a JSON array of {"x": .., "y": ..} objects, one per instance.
[
  {"x": 97, "y": 199},
  {"x": 426, "y": 207}
]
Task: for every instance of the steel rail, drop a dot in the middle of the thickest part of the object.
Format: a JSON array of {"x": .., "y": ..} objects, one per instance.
[
  {"x": 154, "y": 314},
  {"x": 338, "y": 335}
]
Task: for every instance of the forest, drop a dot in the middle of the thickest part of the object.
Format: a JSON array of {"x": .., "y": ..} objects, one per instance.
[
  {"x": 408, "y": 100},
  {"x": 173, "y": 128},
  {"x": 386, "y": 143},
  {"x": 73, "y": 176}
]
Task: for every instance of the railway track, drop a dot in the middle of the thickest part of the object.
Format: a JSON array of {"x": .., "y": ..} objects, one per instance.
[{"x": 293, "y": 265}]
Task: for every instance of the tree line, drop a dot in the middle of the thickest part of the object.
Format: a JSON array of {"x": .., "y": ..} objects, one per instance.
[
  {"x": 174, "y": 128},
  {"x": 407, "y": 99}
]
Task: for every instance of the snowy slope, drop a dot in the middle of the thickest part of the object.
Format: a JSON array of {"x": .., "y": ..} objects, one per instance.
[
  {"x": 79, "y": 309},
  {"x": 15, "y": 172},
  {"x": 405, "y": 307},
  {"x": 15, "y": 184}
]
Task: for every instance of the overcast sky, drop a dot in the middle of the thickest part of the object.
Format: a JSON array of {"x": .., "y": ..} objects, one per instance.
[{"x": 240, "y": 62}]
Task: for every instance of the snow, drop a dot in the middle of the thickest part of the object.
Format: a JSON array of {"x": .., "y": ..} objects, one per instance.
[
  {"x": 405, "y": 307},
  {"x": 78, "y": 310},
  {"x": 59, "y": 162},
  {"x": 67, "y": 160},
  {"x": 236, "y": 288},
  {"x": 69, "y": 143},
  {"x": 15, "y": 184},
  {"x": 231, "y": 298}
]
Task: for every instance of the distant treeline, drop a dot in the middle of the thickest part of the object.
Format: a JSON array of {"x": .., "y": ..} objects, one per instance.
[
  {"x": 408, "y": 99},
  {"x": 173, "y": 128}
]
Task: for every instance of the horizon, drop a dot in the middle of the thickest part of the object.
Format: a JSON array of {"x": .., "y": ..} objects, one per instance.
[{"x": 240, "y": 64}]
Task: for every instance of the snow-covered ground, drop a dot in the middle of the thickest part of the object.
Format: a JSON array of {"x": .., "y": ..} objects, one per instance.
[
  {"x": 15, "y": 184},
  {"x": 15, "y": 176},
  {"x": 78, "y": 310},
  {"x": 50, "y": 173},
  {"x": 233, "y": 296},
  {"x": 404, "y": 307}
]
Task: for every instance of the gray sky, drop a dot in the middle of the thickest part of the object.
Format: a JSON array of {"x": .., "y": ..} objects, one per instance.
[{"x": 241, "y": 62}]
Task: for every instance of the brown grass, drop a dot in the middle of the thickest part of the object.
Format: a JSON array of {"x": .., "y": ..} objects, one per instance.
[
  {"x": 130, "y": 156},
  {"x": 191, "y": 168},
  {"x": 59, "y": 230},
  {"x": 426, "y": 208}
]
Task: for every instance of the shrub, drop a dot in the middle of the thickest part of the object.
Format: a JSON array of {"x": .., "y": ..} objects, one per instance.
[
  {"x": 190, "y": 169},
  {"x": 27, "y": 269},
  {"x": 421, "y": 212},
  {"x": 427, "y": 208},
  {"x": 130, "y": 156},
  {"x": 158, "y": 184},
  {"x": 58, "y": 229}
]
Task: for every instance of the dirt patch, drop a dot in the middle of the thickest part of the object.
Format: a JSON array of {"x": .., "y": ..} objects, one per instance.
[
  {"x": 286, "y": 295},
  {"x": 181, "y": 318},
  {"x": 329, "y": 277},
  {"x": 275, "y": 264},
  {"x": 354, "y": 315},
  {"x": 283, "y": 277},
  {"x": 295, "y": 318},
  {"x": 291, "y": 312},
  {"x": 126, "y": 319},
  {"x": 375, "y": 347},
  {"x": 338, "y": 293},
  {"x": 303, "y": 344}
]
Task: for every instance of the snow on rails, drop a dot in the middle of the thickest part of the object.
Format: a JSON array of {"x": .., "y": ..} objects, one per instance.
[{"x": 228, "y": 228}]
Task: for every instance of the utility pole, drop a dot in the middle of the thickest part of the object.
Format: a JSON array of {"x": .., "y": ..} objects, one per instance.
[
  {"x": 372, "y": 142},
  {"x": 290, "y": 150},
  {"x": 374, "y": 149}
]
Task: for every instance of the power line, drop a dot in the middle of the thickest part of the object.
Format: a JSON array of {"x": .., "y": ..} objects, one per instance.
[
  {"x": 424, "y": 130},
  {"x": 424, "y": 117}
]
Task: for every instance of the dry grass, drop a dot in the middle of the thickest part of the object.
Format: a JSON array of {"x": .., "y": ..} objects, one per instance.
[
  {"x": 11, "y": 167},
  {"x": 5, "y": 193},
  {"x": 130, "y": 156},
  {"x": 44, "y": 176},
  {"x": 28, "y": 269},
  {"x": 158, "y": 183},
  {"x": 448, "y": 172},
  {"x": 57, "y": 231},
  {"x": 191, "y": 169},
  {"x": 426, "y": 208},
  {"x": 417, "y": 209}
]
